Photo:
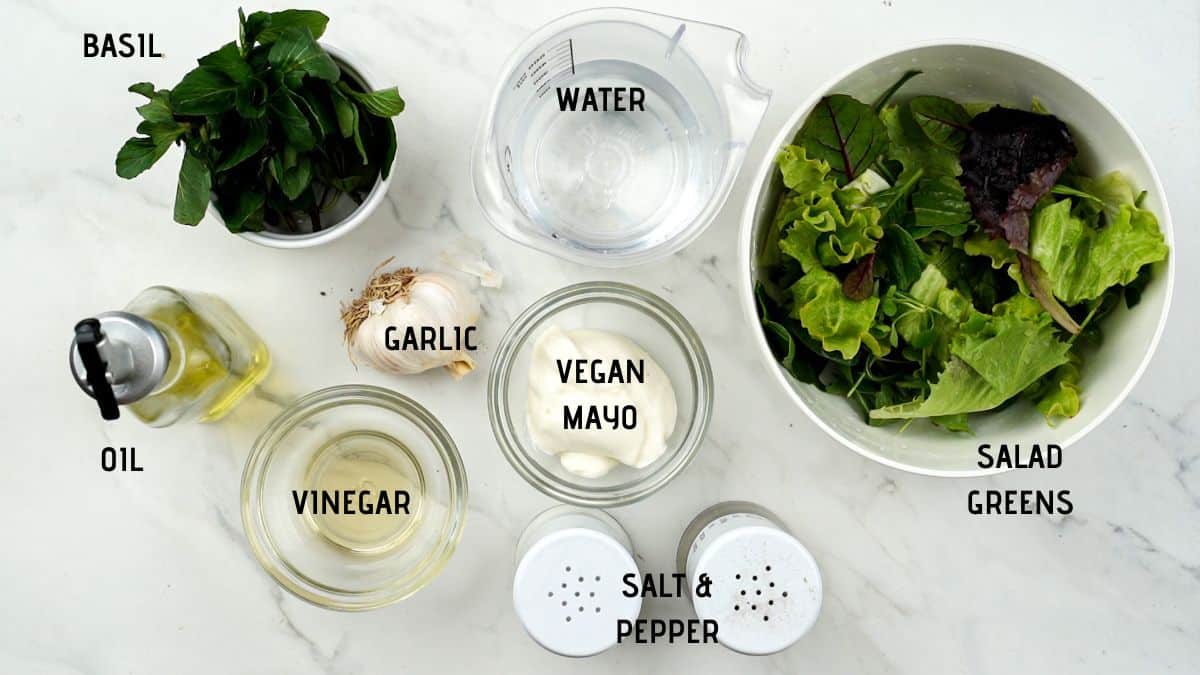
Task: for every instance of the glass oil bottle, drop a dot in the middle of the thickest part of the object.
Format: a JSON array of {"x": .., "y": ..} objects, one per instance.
[{"x": 170, "y": 356}]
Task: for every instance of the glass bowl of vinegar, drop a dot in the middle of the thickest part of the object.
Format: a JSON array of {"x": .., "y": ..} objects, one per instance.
[{"x": 354, "y": 497}]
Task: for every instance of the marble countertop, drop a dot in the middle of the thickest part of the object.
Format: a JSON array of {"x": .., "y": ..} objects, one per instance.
[{"x": 150, "y": 573}]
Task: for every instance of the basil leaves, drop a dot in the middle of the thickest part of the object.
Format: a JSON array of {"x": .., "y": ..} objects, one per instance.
[{"x": 274, "y": 130}]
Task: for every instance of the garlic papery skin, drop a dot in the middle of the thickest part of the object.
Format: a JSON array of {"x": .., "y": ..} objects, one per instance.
[
  {"x": 407, "y": 299},
  {"x": 466, "y": 256}
]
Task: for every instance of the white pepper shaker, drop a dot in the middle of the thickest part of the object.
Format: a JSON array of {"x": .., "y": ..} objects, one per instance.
[
  {"x": 567, "y": 590},
  {"x": 765, "y": 591}
]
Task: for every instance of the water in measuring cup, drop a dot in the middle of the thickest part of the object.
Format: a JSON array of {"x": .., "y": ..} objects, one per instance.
[{"x": 612, "y": 180}]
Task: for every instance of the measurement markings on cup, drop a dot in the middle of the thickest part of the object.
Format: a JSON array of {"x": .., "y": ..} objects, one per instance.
[{"x": 556, "y": 60}]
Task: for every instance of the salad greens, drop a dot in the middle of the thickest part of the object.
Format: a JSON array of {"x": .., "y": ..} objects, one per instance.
[
  {"x": 930, "y": 259},
  {"x": 274, "y": 132}
]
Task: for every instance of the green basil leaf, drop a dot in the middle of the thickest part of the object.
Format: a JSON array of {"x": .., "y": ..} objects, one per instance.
[
  {"x": 158, "y": 109},
  {"x": 355, "y": 185},
  {"x": 318, "y": 111},
  {"x": 296, "y": 179},
  {"x": 162, "y": 133},
  {"x": 360, "y": 120},
  {"x": 204, "y": 91},
  {"x": 194, "y": 189},
  {"x": 289, "y": 118},
  {"x": 297, "y": 52},
  {"x": 229, "y": 60},
  {"x": 381, "y": 103},
  {"x": 846, "y": 134},
  {"x": 137, "y": 155},
  {"x": 348, "y": 120},
  {"x": 291, "y": 157},
  {"x": 943, "y": 121},
  {"x": 251, "y": 27},
  {"x": 245, "y": 213},
  {"x": 242, "y": 31},
  {"x": 251, "y": 99},
  {"x": 278, "y": 23},
  {"x": 253, "y": 138},
  {"x": 346, "y": 112},
  {"x": 144, "y": 88},
  {"x": 389, "y": 149}
]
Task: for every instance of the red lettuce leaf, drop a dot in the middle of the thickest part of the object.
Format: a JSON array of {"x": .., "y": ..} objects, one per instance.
[
  {"x": 860, "y": 283},
  {"x": 1011, "y": 160}
]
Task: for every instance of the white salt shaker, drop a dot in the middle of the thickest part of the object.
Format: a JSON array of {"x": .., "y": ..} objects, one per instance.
[
  {"x": 765, "y": 591},
  {"x": 567, "y": 590}
]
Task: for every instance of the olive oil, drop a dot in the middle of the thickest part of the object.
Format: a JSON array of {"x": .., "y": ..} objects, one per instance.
[
  {"x": 215, "y": 358},
  {"x": 170, "y": 356}
]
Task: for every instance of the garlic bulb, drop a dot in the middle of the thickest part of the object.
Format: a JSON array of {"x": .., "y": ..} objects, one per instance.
[{"x": 407, "y": 299}]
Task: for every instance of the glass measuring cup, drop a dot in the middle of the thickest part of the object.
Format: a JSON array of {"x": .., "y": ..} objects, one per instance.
[{"x": 638, "y": 170}]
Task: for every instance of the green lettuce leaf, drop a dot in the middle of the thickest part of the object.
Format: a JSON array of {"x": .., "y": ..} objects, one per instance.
[
  {"x": 1083, "y": 261},
  {"x": 912, "y": 148},
  {"x": 823, "y": 236},
  {"x": 959, "y": 422},
  {"x": 999, "y": 252},
  {"x": 854, "y": 237},
  {"x": 940, "y": 205},
  {"x": 958, "y": 390},
  {"x": 841, "y": 324},
  {"x": 944, "y": 122},
  {"x": 823, "y": 227},
  {"x": 1057, "y": 395},
  {"x": 995, "y": 248},
  {"x": 925, "y": 292},
  {"x": 800, "y": 242},
  {"x": 993, "y": 360},
  {"x": 933, "y": 314},
  {"x": 1015, "y": 348},
  {"x": 1112, "y": 191},
  {"x": 805, "y": 179},
  {"x": 800, "y": 172}
]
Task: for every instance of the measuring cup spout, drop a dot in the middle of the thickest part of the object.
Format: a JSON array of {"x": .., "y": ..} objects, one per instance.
[
  {"x": 614, "y": 135},
  {"x": 752, "y": 88}
]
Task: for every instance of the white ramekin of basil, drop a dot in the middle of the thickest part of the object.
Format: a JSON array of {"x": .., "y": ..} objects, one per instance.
[
  {"x": 348, "y": 211},
  {"x": 956, "y": 244},
  {"x": 284, "y": 140}
]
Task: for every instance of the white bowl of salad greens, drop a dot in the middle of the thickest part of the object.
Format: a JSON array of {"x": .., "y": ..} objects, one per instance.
[{"x": 951, "y": 245}]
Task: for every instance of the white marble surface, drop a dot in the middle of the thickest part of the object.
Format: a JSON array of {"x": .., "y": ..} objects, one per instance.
[{"x": 150, "y": 573}]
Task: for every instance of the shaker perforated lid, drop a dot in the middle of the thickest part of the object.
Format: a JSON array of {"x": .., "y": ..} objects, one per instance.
[
  {"x": 765, "y": 590},
  {"x": 568, "y": 582}
]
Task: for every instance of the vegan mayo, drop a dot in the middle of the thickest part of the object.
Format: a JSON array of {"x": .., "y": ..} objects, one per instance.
[{"x": 597, "y": 399}]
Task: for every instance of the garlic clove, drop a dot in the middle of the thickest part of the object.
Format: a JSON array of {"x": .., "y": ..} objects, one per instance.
[{"x": 461, "y": 367}]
